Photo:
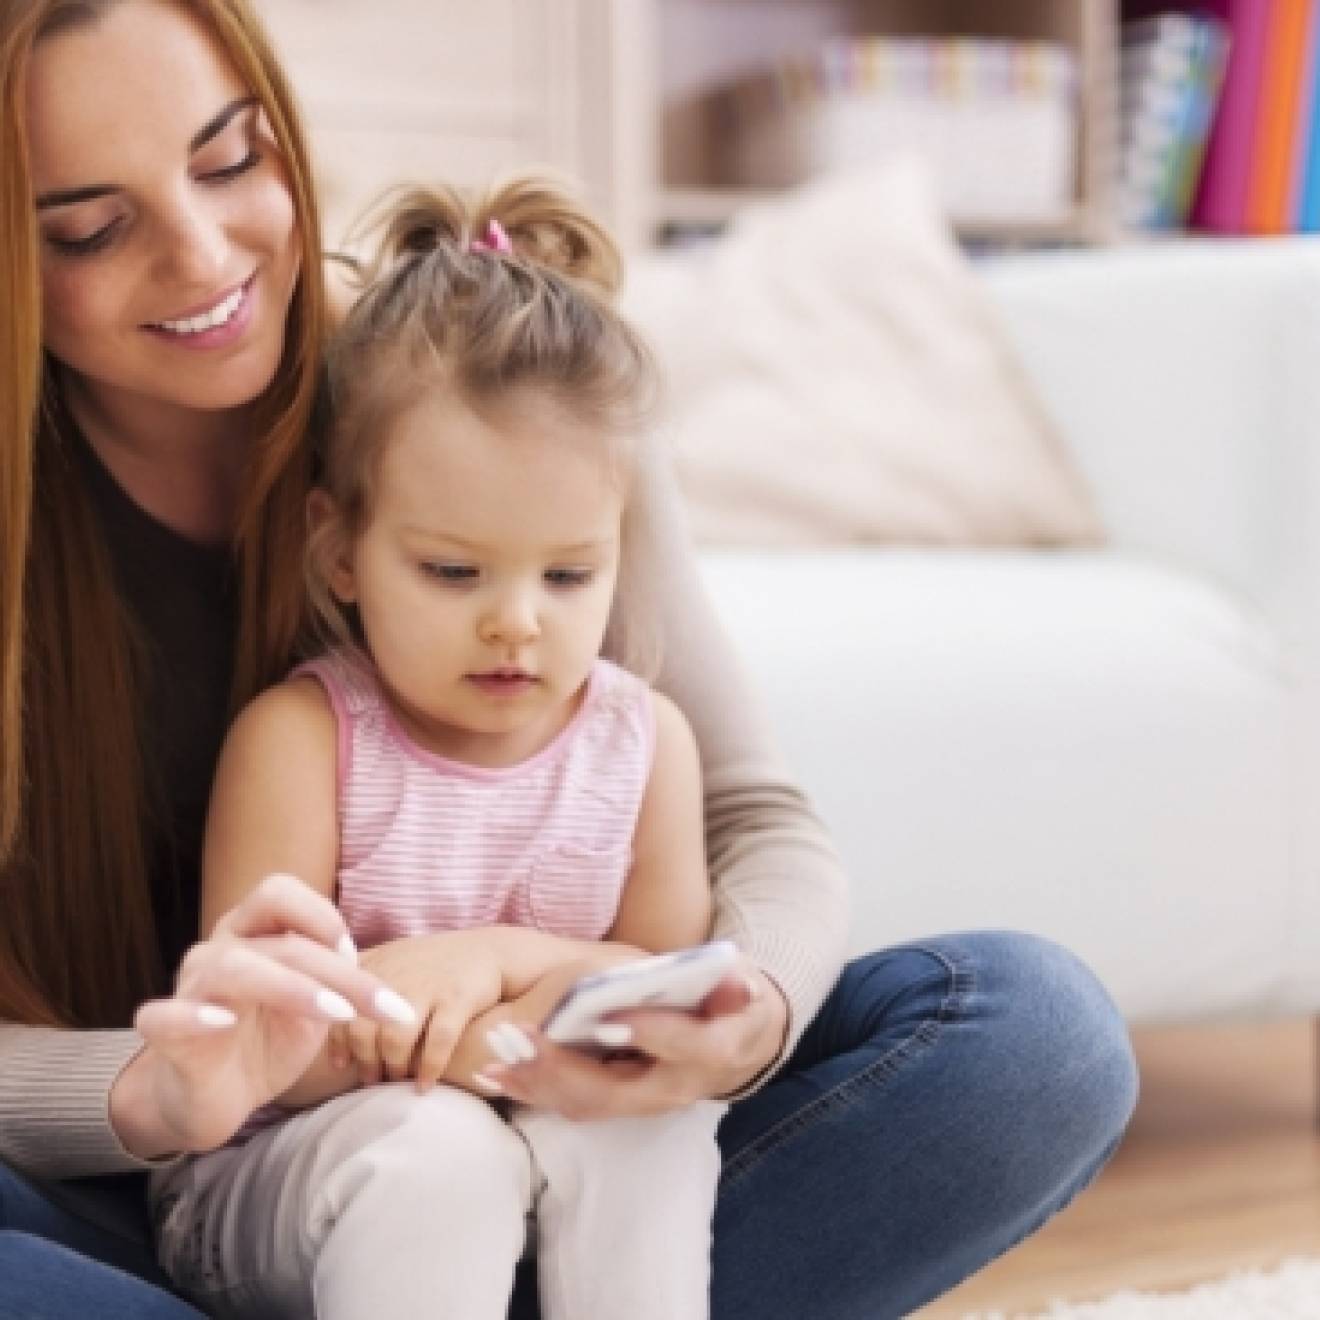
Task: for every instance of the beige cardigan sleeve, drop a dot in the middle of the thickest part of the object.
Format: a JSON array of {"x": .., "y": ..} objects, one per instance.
[
  {"x": 54, "y": 1100},
  {"x": 779, "y": 888},
  {"x": 780, "y": 892}
]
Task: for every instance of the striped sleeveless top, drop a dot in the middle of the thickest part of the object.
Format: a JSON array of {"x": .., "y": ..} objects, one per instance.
[{"x": 429, "y": 844}]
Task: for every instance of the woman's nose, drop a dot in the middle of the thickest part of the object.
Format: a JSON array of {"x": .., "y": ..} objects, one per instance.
[{"x": 196, "y": 248}]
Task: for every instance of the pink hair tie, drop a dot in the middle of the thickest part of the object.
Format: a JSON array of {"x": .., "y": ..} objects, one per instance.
[{"x": 493, "y": 240}]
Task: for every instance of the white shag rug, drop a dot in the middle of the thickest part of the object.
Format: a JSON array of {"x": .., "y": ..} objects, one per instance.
[{"x": 1290, "y": 1292}]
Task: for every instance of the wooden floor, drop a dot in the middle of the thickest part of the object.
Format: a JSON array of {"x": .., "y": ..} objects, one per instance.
[{"x": 1219, "y": 1170}]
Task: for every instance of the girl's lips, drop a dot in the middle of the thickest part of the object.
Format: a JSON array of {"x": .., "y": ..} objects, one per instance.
[{"x": 502, "y": 684}]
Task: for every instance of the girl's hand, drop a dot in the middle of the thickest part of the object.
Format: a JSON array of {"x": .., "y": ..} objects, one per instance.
[
  {"x": 250, "y": 1011},
  {"x": 448, "y": 979},
  {"x": 674, "y": 1057}
]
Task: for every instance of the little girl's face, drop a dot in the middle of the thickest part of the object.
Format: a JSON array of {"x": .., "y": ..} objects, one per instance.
[{"x": 485, "y": 576}]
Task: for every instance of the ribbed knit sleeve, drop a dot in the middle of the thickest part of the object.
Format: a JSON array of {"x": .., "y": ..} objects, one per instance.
[
  {"x": 780, "y": 891},
  {"x": 55, "y": 1097}
]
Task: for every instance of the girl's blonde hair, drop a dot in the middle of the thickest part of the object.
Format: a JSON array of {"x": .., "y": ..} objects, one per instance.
[
  {"x": 78, "y": 942},
  {"x": 484, "y": 297}
]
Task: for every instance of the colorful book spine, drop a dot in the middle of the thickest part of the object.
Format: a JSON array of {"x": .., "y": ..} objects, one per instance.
[
  {"x": 1221, "y": 199},
  {"x": 1278, "y": 118},
  {"x": 1188, "y": 156}
]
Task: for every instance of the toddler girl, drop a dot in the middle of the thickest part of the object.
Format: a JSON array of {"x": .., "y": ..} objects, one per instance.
[{"x": 462, "y": 757}]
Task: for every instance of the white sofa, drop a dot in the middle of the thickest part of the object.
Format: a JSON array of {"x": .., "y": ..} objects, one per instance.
[{"x": 1118, "y": 748}]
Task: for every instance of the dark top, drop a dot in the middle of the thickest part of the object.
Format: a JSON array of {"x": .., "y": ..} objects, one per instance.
[{"x": 183, "y": 598}]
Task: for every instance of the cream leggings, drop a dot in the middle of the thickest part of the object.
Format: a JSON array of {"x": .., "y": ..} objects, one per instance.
[{"x": 387, "y": 1205}]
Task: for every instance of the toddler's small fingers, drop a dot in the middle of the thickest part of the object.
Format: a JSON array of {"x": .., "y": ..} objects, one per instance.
[
  {"x": 436, "y": 1050},
  {"x": 362, "y": 1038},
  {"x": 337, "y": 1048}
]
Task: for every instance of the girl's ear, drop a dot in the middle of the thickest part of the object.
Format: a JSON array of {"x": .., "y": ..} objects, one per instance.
[{"x": 330, "y": 545}]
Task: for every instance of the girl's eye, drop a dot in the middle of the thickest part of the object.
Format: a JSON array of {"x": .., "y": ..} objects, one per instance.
[
  {"x": 568, "y": 577},
  {"x": 233, "y": 171},
  {"x": 458, "y": 574},
  {"x": 81, "y": 247}
]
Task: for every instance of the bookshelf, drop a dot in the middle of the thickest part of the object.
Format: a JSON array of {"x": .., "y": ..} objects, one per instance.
[
  {"x": 616, "y": 93},
  {"x": 700, "y": 45}
]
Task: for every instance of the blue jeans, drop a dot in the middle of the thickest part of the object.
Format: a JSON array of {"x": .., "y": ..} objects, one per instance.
[
  {"x": 80, "y": 1249},
  {"x": 950, "y": 1096}
]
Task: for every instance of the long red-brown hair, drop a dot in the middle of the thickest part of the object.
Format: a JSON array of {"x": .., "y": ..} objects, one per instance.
[{"x": 78, "y": 942}]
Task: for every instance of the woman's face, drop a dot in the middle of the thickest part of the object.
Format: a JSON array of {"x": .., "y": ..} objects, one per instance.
[{"x": 169, "y": 252}]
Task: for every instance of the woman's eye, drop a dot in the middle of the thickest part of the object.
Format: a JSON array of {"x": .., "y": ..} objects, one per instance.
[
  {"x": 233, "y": 171},
  {"x": 568, "y": 577},
  {"x": 453, "y": 573},
  {"x": 81, "y": 247}
]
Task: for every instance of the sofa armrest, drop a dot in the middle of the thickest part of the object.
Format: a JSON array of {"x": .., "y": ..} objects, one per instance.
[
  {"x": 1186, "y": 381},
  {"x": 1185, "y": 378}
]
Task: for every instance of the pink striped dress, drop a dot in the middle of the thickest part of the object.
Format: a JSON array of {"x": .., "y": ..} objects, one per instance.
[{"x": 430, "y": 844}]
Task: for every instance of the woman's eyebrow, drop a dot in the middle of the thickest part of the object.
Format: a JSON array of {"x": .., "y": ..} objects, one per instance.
[
  {"x": 212, "y": 128},
  {"x": 216, "y": 125}
]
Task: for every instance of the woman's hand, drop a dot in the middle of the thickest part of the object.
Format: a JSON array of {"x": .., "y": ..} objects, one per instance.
[
  {"x": 448, "y": 978},
  {"x": 736, "y": 1034},
  {"x": 251, "y": 1009}
]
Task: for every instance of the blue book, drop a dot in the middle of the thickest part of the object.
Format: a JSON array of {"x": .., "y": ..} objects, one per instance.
[{"x": 1308, "y": 193}]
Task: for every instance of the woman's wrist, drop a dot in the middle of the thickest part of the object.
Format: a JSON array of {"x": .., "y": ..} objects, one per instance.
[
  {"x": 769, "y": 1043},
  {"x": 134, "y": 1110}
]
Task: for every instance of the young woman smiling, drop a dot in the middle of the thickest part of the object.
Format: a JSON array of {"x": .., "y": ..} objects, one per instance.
[{"x": 895, "y": 1124}]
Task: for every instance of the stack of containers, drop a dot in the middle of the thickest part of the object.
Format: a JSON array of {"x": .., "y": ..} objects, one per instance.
[{"x": 995, "y": 120}]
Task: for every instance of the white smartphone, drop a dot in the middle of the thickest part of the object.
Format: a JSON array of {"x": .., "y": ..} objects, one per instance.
[{"x": 669, "y": 980}]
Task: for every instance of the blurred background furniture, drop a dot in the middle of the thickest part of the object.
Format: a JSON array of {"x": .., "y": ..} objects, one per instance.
[
  {"x": 623, "y": 94},
  {"x": 1115, "y": 747},
  {"x": 1118, "y": 747}
]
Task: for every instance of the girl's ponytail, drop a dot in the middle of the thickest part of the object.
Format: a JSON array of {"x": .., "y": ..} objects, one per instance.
[
  {"x": 548, "y": 227},
  {"x": 417, "y": 222},
  {"x": 531, "y": 218}
]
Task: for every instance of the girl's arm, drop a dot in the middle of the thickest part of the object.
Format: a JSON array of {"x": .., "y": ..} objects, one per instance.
[
  {"x": 273, "y": 801},
  {"x": 666, "y": 903}
]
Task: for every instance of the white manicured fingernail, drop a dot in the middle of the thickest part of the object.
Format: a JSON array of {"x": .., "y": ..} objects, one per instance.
[
  {"x": 521, "y": 1043},
  {"x": 334, "y": 1005},
  {"x": 753, "y": 988},
  {"x": 212, "y": 1015},
  {"x": 488, "y": 1083},
  {"x": 347, "y": 949},
  {"x": 613, "y": 1035},
  {"x": 500, "y": 1047},
  {"x": 395, "y": 1007}
]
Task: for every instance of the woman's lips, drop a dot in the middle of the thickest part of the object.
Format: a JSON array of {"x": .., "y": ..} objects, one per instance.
[{"x": 236, "y": 310}]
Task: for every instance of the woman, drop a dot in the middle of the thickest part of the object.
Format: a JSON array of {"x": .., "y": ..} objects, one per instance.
[{"x": 894, "y": 1127}]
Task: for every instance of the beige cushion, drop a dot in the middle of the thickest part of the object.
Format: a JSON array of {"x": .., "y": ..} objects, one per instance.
[{"x": 834, "y": 375}]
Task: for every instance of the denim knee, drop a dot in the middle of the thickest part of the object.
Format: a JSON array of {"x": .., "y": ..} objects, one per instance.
[{"x": 1057, "y": 1022}]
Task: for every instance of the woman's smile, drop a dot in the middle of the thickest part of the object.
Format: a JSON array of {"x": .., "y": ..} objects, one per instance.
[{"x": 217, "y": 324}]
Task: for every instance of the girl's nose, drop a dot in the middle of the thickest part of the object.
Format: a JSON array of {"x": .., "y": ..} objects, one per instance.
[{"x": 511, "y": 621}]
